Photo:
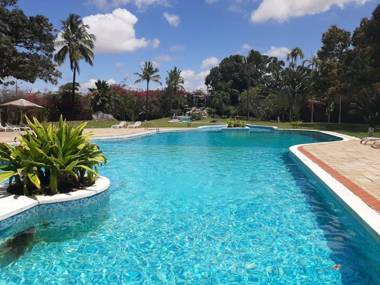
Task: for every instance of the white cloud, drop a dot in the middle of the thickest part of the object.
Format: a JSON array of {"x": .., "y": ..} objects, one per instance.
[
  {"x": 140, "y": 4},
  {"x": 91, "y": 84},
  {"x": 247, "y": 47},
  {"x": 281, "y": 10},
  {"x": 210, "y": 62},
  {"x": 280, "y": 52},
  {"x": 160, "y": 59},
  {"x": 115, "y": 32},
  {"x": 194, "y": 80},
  {"x": 177, "y": 48},
  {"x": 155, "y": 43},
  {"x": 172, "y": 19}
]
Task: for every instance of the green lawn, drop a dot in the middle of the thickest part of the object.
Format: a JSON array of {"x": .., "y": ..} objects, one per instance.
[{"x": 357, "y": 130}]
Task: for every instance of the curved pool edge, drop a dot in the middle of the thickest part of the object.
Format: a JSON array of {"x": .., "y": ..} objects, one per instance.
[
  {"x": 12, "y": 205},
  {"x": 368, "y": 216}
]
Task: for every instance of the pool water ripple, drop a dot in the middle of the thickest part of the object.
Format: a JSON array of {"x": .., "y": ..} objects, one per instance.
[{"x": 202, "y": 208}]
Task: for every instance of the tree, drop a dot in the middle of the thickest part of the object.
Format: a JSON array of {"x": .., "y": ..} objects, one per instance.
[
  {"x": 296, "y": 83},
  {"x": 364, "y": 67},
  {"x": 294, "y": 55},
  {"x": 75, "y": 43},
  {"x": 336, "y": 43},
  {"x": 174, "y": 82},
  {"x": 100, "y": 97},
  {"x": 26, "y": 46},
  {"x": 148, "y": 73}
]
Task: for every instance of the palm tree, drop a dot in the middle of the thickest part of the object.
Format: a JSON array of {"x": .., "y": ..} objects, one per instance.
[
  {"x": 294, "y": 54},
  {"x": 100, "y": 99},
  {"x": 148, "y": 73},
  {"x": 296, "y": 82},
  {"x": 175, "y": 82},
  {"x": 101, "y": 86},
  {"x": 75, "y": 43}
]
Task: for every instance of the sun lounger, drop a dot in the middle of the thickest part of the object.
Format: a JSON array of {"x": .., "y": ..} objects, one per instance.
[
  {"x": 120, "y": 125},
  {"x": 135, "y": 125},
  {"x": 368, "y": 140},
  {"x": 13, "y": 128},
  {"x": 24, "y": 127},
  {"x": 376, "y": 144},
  {"x": 4, "y": 128}
]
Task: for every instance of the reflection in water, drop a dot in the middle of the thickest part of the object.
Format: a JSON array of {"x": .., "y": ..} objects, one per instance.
[
  {"x": 53, "y": 224},
  {"x": 16, "y": 246}
]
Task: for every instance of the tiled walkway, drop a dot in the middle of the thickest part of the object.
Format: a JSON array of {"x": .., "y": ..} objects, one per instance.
[{"x": 355, "y": 165}]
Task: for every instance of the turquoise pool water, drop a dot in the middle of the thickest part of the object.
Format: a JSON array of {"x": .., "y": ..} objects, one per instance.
[{"x": 226, "y": 207}]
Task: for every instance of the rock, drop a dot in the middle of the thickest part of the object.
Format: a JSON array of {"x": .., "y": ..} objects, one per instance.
[{"x": 101, "y": 116}]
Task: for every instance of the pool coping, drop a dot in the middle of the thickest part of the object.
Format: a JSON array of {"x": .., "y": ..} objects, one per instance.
[
  {"x": 353, "y": 196},
  {"x": 12, "y": 205}
]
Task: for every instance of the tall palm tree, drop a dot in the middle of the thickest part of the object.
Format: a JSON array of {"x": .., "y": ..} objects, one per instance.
[
  {"x": 295, "y": 54},
  {"x": 75, "y": 43},
  {"x": 296, "y": 79},
  {"x": 148, "y": 73},
  {"x": 174, "y": 82}
]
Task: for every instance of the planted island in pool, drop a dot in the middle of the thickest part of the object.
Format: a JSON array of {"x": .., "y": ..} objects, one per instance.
[
  {"x": 50, "y": 159},
  {"x": 197, "y": 207}
]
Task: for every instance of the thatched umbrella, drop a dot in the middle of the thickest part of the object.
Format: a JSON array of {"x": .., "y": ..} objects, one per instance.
[{"x": 23, "y": 105}]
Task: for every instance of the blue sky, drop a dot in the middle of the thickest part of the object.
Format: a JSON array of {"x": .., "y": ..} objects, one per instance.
[{"x": 193, "y": 35}]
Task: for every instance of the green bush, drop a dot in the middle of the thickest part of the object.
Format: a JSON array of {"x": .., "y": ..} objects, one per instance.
[
  {"x": 50, "y": 159},
  {"x": 233, "y": 123}
]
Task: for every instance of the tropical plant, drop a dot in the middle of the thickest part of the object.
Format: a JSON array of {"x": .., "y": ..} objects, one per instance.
[
  {"x": 174, "y": 82},
  {"x": 294, "y": 55},
  {"x": 233, "y": 123},
  {"x": 100, "y": 96},
  {"x": 76, "y": 43},
  {"x": 50, "y": 159},
  {"x": 148, "y": 73}
]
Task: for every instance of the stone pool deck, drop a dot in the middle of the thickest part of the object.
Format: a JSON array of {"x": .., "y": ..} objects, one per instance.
[{"x": 355, "y": 165}]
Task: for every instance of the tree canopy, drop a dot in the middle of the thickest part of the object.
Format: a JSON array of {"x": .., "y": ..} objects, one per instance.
[
  {"x": 343, "y": 78},
  {"x": 26, "y": 46}
]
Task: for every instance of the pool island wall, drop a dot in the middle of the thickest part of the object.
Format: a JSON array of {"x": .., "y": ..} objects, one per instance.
[{"x": 12, "y": 205}]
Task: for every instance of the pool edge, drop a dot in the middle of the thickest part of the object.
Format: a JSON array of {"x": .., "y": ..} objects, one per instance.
[
  {"x": 370, "y": 217},
  {"x": 15, "y": 205}
]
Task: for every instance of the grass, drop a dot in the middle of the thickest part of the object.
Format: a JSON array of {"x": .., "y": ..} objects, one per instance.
[{"x": 357, "y": 130}]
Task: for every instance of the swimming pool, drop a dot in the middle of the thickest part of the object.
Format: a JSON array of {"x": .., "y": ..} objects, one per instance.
[{"x": 228, "y": 207}]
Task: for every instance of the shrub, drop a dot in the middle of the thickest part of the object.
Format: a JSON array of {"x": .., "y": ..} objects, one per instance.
[
  {"x": 233, "y": 123},
  {"x": 50, "y": 159}
]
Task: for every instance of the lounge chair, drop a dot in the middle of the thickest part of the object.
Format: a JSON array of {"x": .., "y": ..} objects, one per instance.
[
  {"x": 4, "y": 128},
  {"x": 13, "y": 128},
  {"x": 135, "y": 125},
  {"x": 368, "y": 140},
  {"x": 120, "y": 125},
  {"x": 24, "y": 127},
  {"x": 376, "y": 144}
]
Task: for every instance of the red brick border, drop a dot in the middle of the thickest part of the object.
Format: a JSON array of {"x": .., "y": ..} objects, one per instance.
[{"x": 370, "y": 200}]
